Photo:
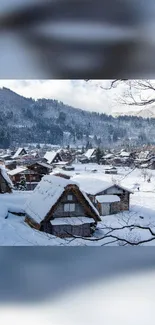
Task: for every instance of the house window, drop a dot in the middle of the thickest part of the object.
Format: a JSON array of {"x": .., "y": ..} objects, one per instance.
[
  {"x": 69, "y": 207},
  {"x": 70, "y": 197}
]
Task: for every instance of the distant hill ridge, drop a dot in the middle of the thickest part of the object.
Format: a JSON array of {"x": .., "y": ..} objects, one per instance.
[{"x": 25, "y": 120}]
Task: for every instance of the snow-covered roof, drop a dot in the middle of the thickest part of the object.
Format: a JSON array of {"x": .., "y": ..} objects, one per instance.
[
  {"x": 124, "y": 154},
  {"x": 61, "y": 163},
  {"x": 5, "y": 176},
  {"x": 50, "y": 155},
  {"x": 74, "y": 221},
  {"x": 91, "y": 185},
  {"x": 60, "y": 171},
  {"x": 44, "y": 165},
  {"x": 123, "y": 188},
  {"x": 41, "y": 164},
  {"x": 143, "y": 154},
  {"x": 46, "y": 194},
  {"x": 89, "y": 153},
  {"x": 5, "y": 156},
  {"x": 107, "y": 198},
  {"x": 34, "y": 154},
  {"x": 111, "y": 168},
  {"x": 109, "y": 155},
  {"x": 17, "y": 171},
  {"x": 18, "y": 152}
]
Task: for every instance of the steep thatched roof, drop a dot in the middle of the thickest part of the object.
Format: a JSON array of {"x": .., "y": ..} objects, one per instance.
[{"x": 49, "y": 192}]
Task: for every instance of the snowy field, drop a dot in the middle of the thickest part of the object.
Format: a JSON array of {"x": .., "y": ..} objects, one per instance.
[{"x": 15, "y": 232}]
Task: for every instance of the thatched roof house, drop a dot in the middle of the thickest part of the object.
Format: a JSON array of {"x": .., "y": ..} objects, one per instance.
[
  {"x": 57, "y": 206},
  {"x": 52, "y": 157},
  {"x": 107, "y": 197},
  {"x": 5, "y": 181},
  {"x": 19, "y": 153}
]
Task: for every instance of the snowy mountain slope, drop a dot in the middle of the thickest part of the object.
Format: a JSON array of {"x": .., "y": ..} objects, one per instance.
[
  {"x": 24, "y": 120},
  {"x": 12, "y": 106}
]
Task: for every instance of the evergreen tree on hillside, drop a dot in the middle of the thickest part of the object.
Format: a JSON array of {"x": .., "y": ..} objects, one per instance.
[
  {"x": 88, "y": 145},
  {"x": 99, "y": 154}
]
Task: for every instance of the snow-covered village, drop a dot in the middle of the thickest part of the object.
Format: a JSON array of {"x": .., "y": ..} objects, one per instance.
[
  {"x": 67, "y": 194},
  {"x": 55, "y": 201}
]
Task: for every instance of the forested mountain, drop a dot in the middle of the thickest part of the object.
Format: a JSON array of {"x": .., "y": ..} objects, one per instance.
[{"x": 24, "y": 120}]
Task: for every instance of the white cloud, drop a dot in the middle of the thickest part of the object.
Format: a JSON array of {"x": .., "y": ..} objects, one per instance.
[{"x": 77, "y": 93}]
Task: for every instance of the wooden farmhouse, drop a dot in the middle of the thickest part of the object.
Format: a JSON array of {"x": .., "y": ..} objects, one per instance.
[
  {"x": 88, "y": 156},
  {"x": 19, "y": 153},
  {"x": 108, "y": 198},
  {"x": 41, "y": 168},
  {"x": 57, "y": 206},
  {"x": 52, "y": 157},
  {"x": 107, "y": 159},
  {"x": 111, "y": 171},
  {"x": 32, "y": 177},
  {"x": 5, "y": 182},
  {"x": 67, "y": 155}
]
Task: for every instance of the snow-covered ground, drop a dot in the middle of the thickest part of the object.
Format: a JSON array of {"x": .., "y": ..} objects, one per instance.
[{"x": 14, "y": 231}]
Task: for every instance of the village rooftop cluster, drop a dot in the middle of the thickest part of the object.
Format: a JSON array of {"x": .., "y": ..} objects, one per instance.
[{"x": 63, "y": 202}]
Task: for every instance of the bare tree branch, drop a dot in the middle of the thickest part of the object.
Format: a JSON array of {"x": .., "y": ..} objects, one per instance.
[
  {"x": 117, "y": 238},
  {"x": 135, "y": 93}
]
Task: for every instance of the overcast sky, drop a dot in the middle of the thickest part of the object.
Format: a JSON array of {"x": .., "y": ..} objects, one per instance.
[{"x": 77, "y": 93}]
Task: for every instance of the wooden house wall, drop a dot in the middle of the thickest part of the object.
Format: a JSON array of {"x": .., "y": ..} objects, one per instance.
[
  {"x": 59, "y": 212},
  {"x": 41, "y": 170},
  {"x": 115, "y": 207},
  {"x": 123, "y": 205},
  {"x": 114, "y": 191},
  {"x": 29, "y": 177},
  {"x": 67, "y": 230}
]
